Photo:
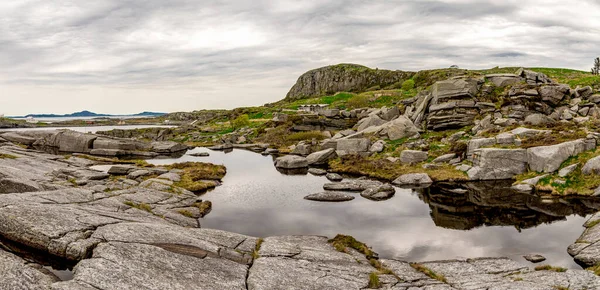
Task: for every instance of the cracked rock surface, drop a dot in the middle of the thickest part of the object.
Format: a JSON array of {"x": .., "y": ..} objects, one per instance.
[{"x": 121, "y": 235}]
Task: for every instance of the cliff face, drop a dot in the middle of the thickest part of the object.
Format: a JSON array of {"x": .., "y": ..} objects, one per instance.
[{"x": 343, "y": 77}]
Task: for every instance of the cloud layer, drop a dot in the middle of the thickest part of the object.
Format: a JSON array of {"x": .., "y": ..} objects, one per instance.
[{"x": 124, "y": 56}]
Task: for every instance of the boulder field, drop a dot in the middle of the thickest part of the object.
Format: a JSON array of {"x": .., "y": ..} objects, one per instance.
[{"x": 75, "y": 142}]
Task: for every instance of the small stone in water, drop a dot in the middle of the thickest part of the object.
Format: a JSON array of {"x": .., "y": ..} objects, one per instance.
[
  {"x": 334, "y": 177},
  {"x": 535, "y": 258}
]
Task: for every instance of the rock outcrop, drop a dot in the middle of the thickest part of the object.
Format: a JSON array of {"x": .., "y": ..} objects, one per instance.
[{"x": 343, "y": 78}]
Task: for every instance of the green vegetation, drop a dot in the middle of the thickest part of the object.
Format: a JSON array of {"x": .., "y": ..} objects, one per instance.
[
  {"x": 186, "y": 213},
  {"x": 240, "y": 122},
  {"x": 429, "y": 272},
  {"x": 550, "y": 268},
  {"x": 374, "y": 282},
  {"x": 140, "y": 206},
  {"x": 255, "y": 254},
  {"x": 198, "y": 176},
  {"x": 408, "y": 85},
  {"x": 342, "y": 242},
  {"x": 138, "y": 163},
  {"x": 386, "y": 170},
  {"x": 595, "y": 269},
  {"x": 7, "y": 156},
  {"x": 358, "y": 101}
]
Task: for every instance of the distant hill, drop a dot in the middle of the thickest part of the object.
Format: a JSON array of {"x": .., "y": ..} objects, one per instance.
[
  {"x": 91, "y": 114},
  {"x": 344, "y": 78}
]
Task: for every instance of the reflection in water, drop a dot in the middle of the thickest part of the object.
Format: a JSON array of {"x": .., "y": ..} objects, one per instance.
[{"x": 443, "y": 222}]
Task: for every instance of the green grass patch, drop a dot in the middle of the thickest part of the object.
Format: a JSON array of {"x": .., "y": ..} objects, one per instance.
[
  {"x": 198, "y": 176},
  {"x": 550, "y": 268},
  {"x": 374, "y": 282},
  {"x": 255, "y": 254},
  {"x": 7, "y": 156},
  {"x": 342, "y": 242},
  {"x": 140, "y": 206},
  {"x": 430, "y": 273}
]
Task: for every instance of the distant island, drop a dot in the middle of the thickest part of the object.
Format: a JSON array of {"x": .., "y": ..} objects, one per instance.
[{"x": 90, "y": 114}]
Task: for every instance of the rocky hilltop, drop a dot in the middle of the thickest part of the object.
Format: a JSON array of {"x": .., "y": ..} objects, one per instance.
[{"x": 344, "y": 78}]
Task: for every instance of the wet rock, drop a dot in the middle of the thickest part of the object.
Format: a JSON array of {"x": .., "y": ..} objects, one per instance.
[
  {"x": 382, "y": 192},
  {"x": 412, "y": 156},
  {"x": 413, "y": 179},
  {"x": 321, "y": 157},
  {"x": 291, "y": 162},
  {"x": 494, "y": 163},
  {"x": 334, "y": 177},
  {"x": 354, "y": 185},
  {"x": 534, "y": 258},
  {"x": 200, "y": 154},
  {"x": 317, "y": 171},
  {"x": 549, "y": 158},
  {"x": 330, "y": 196}
]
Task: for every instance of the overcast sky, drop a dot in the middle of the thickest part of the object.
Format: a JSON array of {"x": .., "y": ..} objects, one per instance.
[{"x": 127, "y": 56}]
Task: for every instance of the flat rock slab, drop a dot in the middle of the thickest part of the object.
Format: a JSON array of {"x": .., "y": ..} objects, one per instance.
[
  {"x": 534, "y": 258},
  {"x": 331, "y": 196},
  {"x": 16, "y": 273},
  {"x": 354, "y": 185}
]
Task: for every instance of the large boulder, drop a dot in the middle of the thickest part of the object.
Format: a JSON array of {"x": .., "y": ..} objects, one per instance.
[
  {"x": 413, "y": 156},
  {"x": 538, "y": 120},
  {"x": 321, "y": 157},
  {"x": 592, "y": 166},
  {"x": 343, "y": 78},
  {"x": 401, "y": 127},
  {"x": 554, "y": 93},
  {"x": 549, "y": 158},
  {"x": 353, "y": 146},
  {"x": 370, "y": 121},
  {"x": 18, "y": 138},
  {"x": 497, "y": 164},
  {"x": 383, "y": 192},
  {"x": 413, "y": 179},
  {"x": 453, "y": 104},
  {"x": 76, "y": 142},
  {"x": 168, "y": 147},
  {"x": 291, "y": 162},
  {"x": 503, "y": 80},
  {"x": 118, "y": 144}
]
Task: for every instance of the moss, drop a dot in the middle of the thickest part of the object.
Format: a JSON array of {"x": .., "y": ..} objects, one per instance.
[
  {"x": 595, "y": 269},
  {"x": 7, "y": 156},
  {"x": 374, "y": 282},
  {"x": 430, "y": 273},
  {"x": 137, "y": 162},
  {"x": 255, "y": 254},
  {"x": 342, "y": 242},
  {"x": 73, "y": 181},
  {"x": 198, "y": 176},
  {"x": 204, "y": 207},
  {"x": 593, "y": 224},
  {"x": 186, "y": 213},
  {"x": 140, "y": 206},
  {"x": 550, "y": 268},
  {"x": 386, "y": 170},
  {"x": 304, "y": 136}
]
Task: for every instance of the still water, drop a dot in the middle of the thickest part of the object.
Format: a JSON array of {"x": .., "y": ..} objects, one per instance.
[
  {"x": 415, "y": 225},
  {"x": 90, "y": 129}
]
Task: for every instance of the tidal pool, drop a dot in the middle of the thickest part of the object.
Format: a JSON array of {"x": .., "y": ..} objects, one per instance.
[{"x": 479, "y": 220}]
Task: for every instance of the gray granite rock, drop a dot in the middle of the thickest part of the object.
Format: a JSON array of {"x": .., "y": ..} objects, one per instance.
[
  {"x": 331, "y": 196},
  {"x": 291, "y": 162},
  {"x": 413, "y": 179}
]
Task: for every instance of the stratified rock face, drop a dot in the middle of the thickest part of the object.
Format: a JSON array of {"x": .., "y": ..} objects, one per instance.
[
  {"x": 343, "y": 78},
  {"x": 453, "y": 104}
]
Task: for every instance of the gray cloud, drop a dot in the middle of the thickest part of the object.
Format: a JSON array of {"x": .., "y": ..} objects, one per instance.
[{"x": 185, "y": 54}]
